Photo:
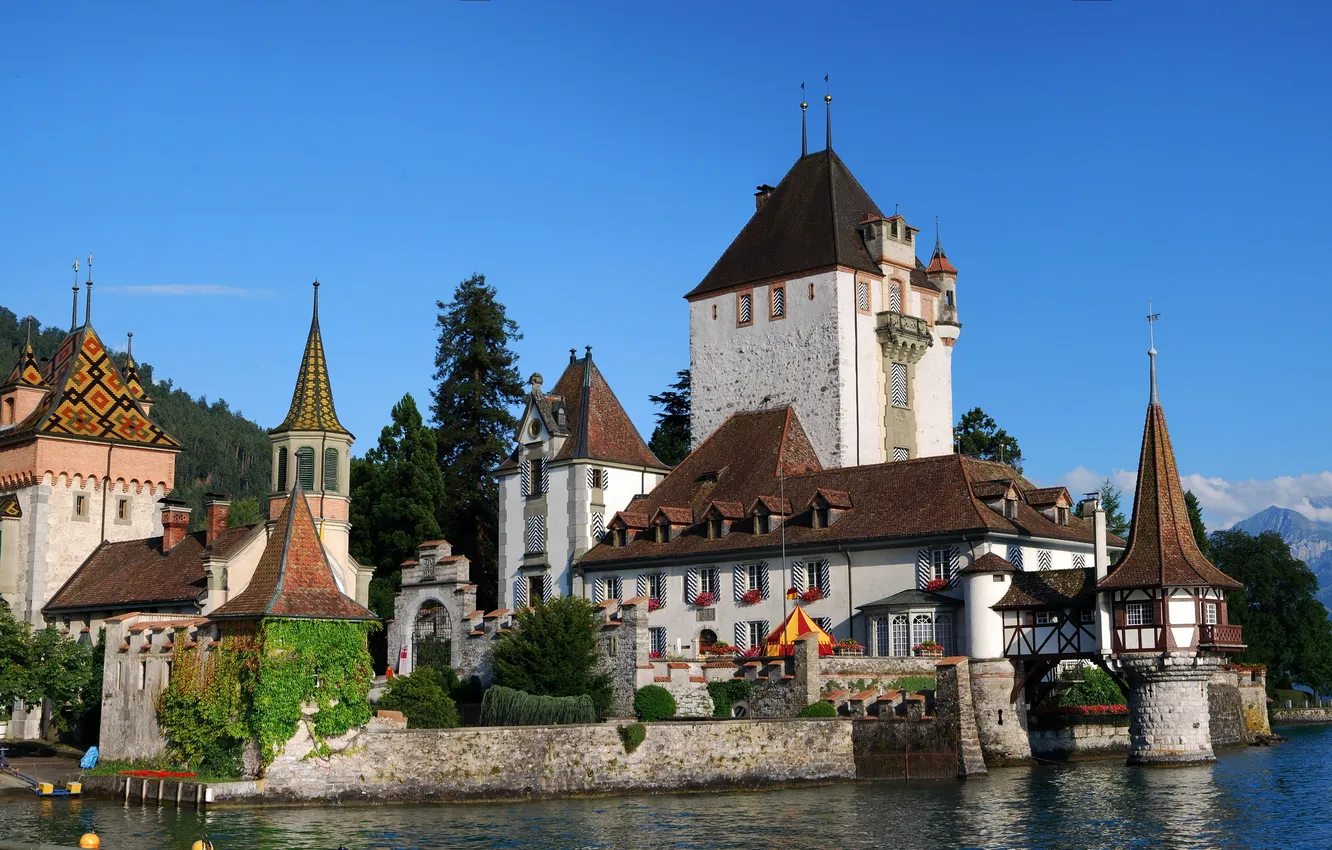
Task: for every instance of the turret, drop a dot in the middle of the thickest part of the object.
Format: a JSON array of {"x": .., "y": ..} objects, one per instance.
[{"x": 943, "y": 274}]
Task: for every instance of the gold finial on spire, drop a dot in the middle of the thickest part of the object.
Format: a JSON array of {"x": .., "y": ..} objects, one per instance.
[
  {"x": 804, "y": 131},
  {"x": 827, "y": 101},
  {"x": 74, "y": 311}
]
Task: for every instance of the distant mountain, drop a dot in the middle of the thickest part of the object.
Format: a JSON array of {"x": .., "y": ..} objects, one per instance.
[
  {"x": 1309, "y": 540},
  {"x": 223, "y": 451}
]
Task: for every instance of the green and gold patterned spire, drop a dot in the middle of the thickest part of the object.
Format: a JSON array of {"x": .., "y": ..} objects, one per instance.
[
  {"x": 132, "y": 381},
  {"x": 312, "y": 402},
  {"x": 27, "y": 372}
]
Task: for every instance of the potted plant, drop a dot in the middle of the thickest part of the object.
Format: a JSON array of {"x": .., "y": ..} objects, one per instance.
[
  {"x": 720, "y": 647},
  {"x": 935, "y": 585},
  {"x": 654, "y": 604},
  {"x": 814, "y": 594},
  {"x": 703, "y": 600},
  {"x": 848, "y": 646},
  {"x": 656, "y": 654},
  {"x": 928, "y": 649},
  {"x": 752, "y": 596}
]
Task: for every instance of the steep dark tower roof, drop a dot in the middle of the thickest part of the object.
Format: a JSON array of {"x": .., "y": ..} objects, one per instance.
[
  {"x": 811, "y": 221},
  {"x": 599, "y": 428},
  {"x": 293, "y": 578},
  {"x": 312, "y": 401}
]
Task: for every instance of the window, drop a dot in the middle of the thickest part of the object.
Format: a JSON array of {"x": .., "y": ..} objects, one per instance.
[
  {"x": 596, "y": 479},
  {"x": 1087, "y": 615},
  {"x": 862, "y": 297},
  {"x": 663, "y": 532},
  {"x": 939, "y": 564},
  {"x": 892, "y": 227},
  {"x": 143, "y": 675},
  {"x": 922, "y": 628},
  {"x": 811, "y": 292},
  {"x": 657, "y": 641},
  {"x": 536, "y": 589},
  {"x": 744, "y": 308},
  {"x": 820, "y": 516},
  {"x": 1044, "y": 559},
  {"x": 1138, "y": 613},
  {"x": 598, "y": 526},
  {"x": 282, "y": 470},
  {"x": 1014, "y": 555},
  {"x": 707, "y": 581},
  {"x": 898, "y": 383},
  {"x": 753, "y": 576},
  {"x": 707, "y": 638},
  {"x": 1047, "y": 618},
  {"x": 762, "y": 522},
  {"x": 1061, "y": 516},
  {"x": 819, "y": 575},
  {"x": 901, "y": 641},
  {"x": 122, "y": 509},
  {"x": 895, "y": 297},
  {"x": 778, "y": 302},
  {"x": 907, "y": 234},
  {"x": 612, "y": 588},
  {"x": 305, "y": 468},
  {"x": 1010, "y": 508},
  {"x": 525, "y": 476},
  {"x": 948, "y": 298},
  {"x": 657, "y": 587},
  {"x": 540, "y": 476},
  {"x": 756, "y": 633},
  {"x": 901, "y": 453},
  {"x": 535, "y": 534},
  {"x": 331, "y": 470},
  {"x": 81, "y": 506},
  {"x": 1209, "y": 613},
  {"x": 882, "y": 637},
  {"x": 715, "y": 527},
  {"x": 621, "y": 538}
]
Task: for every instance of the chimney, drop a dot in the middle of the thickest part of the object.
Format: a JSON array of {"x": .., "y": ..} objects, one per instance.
[
  {"x": 175, "y": 520},
  {"x": 1091, "y": 508},
  {"x": 216, "y": 507},
  {"x": 761, "y": 196}
]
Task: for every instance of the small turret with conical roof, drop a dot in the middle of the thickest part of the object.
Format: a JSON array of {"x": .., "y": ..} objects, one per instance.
[{"x": 943, "y": 275}]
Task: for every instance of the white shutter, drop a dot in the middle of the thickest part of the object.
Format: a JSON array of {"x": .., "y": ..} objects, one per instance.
[
  {"x": 954, "y": 561},
  {"x": 599, "y": 590},
  {"x": 1015, "y": 555},
  {"x": 741, "y": 636},
  {"x": 525, "y": 475},
  {"x": 825, "y": 579},
  {"x": 763, "y": 630},
  {"x": 545, "y": 476},
  {"x": 547, "y": 586},
  {"x": 642, "y": 585},
  {"x": 520, "y": 592}
]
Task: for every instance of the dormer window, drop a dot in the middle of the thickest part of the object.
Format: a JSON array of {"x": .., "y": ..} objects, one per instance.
[
  {"x": 892, "y": 227},
  {"x": 1010, "y": 508},
  {"x": 620, "y": 538},
  {"x": 1061, "y": 515},
  {"x": 716, "y": 528},
  {"x": 762, "y": 522},
  {"x": 663, "y": 532},
  {"x": 820, "y": 517}
]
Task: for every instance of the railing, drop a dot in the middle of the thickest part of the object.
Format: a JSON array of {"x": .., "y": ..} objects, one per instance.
[
  {"x": 1221, "y": 637},
  {"x": 890, "y": 322}
]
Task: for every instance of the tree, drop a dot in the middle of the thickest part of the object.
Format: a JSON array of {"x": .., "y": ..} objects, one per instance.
[
  {"x": 397, "y": 492},
  {"x": 421, "y": 697},
  {"x": 553, "y": 652},
  {"x": 478, "y": 385},
  {"x": 1112, "y": 499},
  {"x": 670, "y": 439},
  {"x": 1196, "y": 520},
  {"x": 16, "y": 662},
  {"x": 1285, "y": 626},
  {"x": 244, "y": 512},
  {"x": 978, "y": 435}
]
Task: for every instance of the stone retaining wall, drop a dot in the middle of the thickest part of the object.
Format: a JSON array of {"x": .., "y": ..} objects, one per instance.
[
  {"x": 379, "y": 763},
  {"x": 1081, "y": 740},
  {"x": 1302, "y": 715}
]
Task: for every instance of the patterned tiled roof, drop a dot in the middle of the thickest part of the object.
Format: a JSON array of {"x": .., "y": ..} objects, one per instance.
[
  {"x": 9, "y": 507},
  {"x": 312, "y": 400},
  {"x": 293, "y": 578},
  {"x": 1162, "y": 551},
  {"x": 810, "y": 221},
  {"x": 27, "y": 372},
  {"x": 88, "y": 399},
  {"x": 132, "y": 381},
  {"x": 989, "y": 563}
]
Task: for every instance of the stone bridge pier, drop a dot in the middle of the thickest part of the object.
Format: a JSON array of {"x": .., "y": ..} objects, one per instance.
[{"x": 1169, "y": 720}]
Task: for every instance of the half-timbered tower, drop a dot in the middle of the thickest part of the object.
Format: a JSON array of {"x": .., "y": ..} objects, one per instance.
[{"x": 1168, "y": 602}]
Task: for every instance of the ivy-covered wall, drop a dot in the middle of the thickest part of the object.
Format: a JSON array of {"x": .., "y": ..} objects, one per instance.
[{"x": 231, "y": 707}]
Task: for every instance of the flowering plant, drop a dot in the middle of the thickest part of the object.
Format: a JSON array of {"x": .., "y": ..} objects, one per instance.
[
  {"x": 752, "y": 652},
  {"x": 936, "y": 584},
  {"x": 752, "y": 596},
  {"x": 703, "y": 600},
  {"x": 814, "y": 594},
  {"x": 720, "y": 646},
  {"x": 849, "y": 643},
  {"x": 656, "y": 653},
  {"x": 654, "y": 604},
  {"x": 792, "y": 593},
  {"x": 1084, "y": 709}
]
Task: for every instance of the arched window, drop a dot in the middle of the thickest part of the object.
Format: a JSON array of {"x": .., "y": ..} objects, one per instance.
[
  {"x": 922, "y": 628},
  {"x": 305, "y": 468},
  {"x": 282, "y": 470},
  {"x": 331, "y": 470},
  {"x": 706, "y": 639},
  {"x": 432, "y": 637}
]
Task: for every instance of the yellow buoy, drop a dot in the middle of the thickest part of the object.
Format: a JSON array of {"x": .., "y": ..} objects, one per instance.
[
  {"x": 201, "y": 844},
  {"x": 90, "y": 839}
]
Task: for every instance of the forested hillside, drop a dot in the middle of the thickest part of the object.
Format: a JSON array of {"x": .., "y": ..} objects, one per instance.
[{"x": 223, "y": 451}]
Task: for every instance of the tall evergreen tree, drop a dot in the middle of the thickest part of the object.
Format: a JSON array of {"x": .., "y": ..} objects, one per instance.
[
  {"x": 1196, "y": 520},
  {"x": 1112, "y": 501},
  {"x": 978, "y": 435},
  {"x": 478, "y": 385},
  {"x": 670, "y": 439},
  {"x": 1285, "y": 626}
]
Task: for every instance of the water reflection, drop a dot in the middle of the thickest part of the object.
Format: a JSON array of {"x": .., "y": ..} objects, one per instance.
[{"x": 1252, "y": 798}]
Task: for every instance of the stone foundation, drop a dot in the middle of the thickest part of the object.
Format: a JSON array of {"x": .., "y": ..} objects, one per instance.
[
  {"x": 1001, "y": 723},
  {"x": 1169, "y": 712}
]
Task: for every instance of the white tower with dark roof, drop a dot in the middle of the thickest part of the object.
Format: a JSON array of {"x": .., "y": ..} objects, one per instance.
[{"x": 822, "y": 304}]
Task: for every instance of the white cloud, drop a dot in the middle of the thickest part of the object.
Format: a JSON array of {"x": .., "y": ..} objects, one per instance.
[
  {"x": 187, "y": 289},
  {"x": 1225, "y": 503}
]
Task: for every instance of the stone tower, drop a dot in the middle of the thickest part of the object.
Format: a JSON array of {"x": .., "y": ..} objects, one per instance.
[
  {"x": 1169, "y": 622},
  {"x": 822, "y": 304},
  {"x": 312, "y": 451}
]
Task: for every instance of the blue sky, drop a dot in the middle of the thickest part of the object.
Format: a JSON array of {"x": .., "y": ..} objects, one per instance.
[{"x": 593, "y": 160}]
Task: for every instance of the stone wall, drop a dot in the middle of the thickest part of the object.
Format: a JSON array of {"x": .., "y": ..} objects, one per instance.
[
  {"x": 1001, "y": 722},
  {"x": 382, "y": 763},
  {"x": 1081, "y": 739},
  {"x": 1169, "y": 716},
  {"x": 1302, "y": 715},
  {"x": 1226, "y": 715},
  {"x": 623, "y": 646},
  {"x": 955, "y": 707}
]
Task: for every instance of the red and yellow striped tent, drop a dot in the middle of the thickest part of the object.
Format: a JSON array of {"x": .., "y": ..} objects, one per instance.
[{"x": 782, "y": 640}]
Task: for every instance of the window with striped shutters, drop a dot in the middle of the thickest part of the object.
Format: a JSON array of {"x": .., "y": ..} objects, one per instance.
[
  {"x": 520, "y": 592},
  {"x": 598, "y": 527},
  {"x": 824, "y": 623},
  {"x": 924, "y": 568},
  {"x": 738, "y": 582},
  {"x": 742, "y": 636},
  {"x": 525, "y": 476},
  {"x": 641, "y": 584},
  {"x": 820, "y": 576},
  {"x": 657, "y": 641},
  {"x": 599, "y": 591},
  {"x": 548, "y": 587},
  {"x": 745, "y": 308},
  {"x": 798, "y": 576},
  {"x": 1044, "y": 559},
  {"x": 331, "y": 470},
  {"x": 895, "y": 298},
  {"x": 954, "y": 565},
  {"x": 778, "y": 302},
  {"x": 899, "y": 384},
  {"x": 1015, "y": 555},
  {"x": 656, "y": 589},
  {"x": 1080, "y": 562},
  {"x": 862, "y": 297},
  {"x": 691, "y": 586},
  {"x": 901, "y": 453}
]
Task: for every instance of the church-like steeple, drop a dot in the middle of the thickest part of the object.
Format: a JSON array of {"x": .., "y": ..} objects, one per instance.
[
  {"x": 1162, "y": 551},
  {"x": 312, "y": 402}
]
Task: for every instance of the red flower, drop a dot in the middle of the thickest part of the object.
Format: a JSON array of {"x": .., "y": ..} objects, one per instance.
[
  {"x": 656, "y": 653},
  {"x": 654, "y": 604},
  {"x": 752, "y": 596},
  {"x": 814, "y": 594},
  {"x": 703, "y": 600},
  {"x": 752, "y": 652},
  {"x": 936, "y": 584}
]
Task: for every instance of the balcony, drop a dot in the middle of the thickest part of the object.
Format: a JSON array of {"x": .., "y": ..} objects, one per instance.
[
  {"x": 906, "y": 336},
  {"x": 1221, "y": 638}
]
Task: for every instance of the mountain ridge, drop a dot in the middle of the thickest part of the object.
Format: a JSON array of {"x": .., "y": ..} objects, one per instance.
[{"x": 1309, "y": 540}]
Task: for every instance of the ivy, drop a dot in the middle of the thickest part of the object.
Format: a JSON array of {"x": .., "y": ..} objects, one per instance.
[{"x": 254, "y": 686}]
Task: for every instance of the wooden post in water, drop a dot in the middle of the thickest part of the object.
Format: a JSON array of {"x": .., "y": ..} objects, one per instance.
[
  {"x": 198, "y": 796},
  {"x": 143, "y": 793},
  {"x": 180, "y": 785},
  {"x": 127, "y": 790}
]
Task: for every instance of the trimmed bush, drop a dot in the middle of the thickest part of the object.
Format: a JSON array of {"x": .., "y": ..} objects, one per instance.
[
  {"x": 632, "y": 735},
  {"x": 727, "y": 693},
  {"x": 822, "y": 708},
  {"x": 422, "y": 698},
  {"x": 503, "y": 706},
  {"x": 653, "y": 702},
  {"x": 912, "y": 684}
]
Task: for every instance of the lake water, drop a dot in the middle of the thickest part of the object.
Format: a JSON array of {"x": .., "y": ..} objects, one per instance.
[{"x": 1256, "y": 797}]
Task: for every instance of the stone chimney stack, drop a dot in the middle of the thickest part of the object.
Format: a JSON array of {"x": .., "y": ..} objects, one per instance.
[
  {"x": 175, "y": 522},
  {"x": 761, "y": 196},
  {"x": 216, "y": 508}
]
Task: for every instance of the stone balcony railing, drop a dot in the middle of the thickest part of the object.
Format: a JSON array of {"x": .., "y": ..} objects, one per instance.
[
  {"x": 907, "y": 336},
  {"x": 1228, "y": 638}
]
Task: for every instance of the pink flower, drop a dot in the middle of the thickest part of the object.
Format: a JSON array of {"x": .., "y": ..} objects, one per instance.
[
  {"x": 752, "y": 652},
  {"x": 656, "y": 653},
  {"x": 654, "y": 604}
]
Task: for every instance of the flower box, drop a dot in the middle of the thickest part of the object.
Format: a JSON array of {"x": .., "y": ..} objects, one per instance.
[
  {"x": 752, "y": 597},
  {"x": 935, "y": 585},
  {"x": 814, "y": 594},
  {"x": 703, "y": 600},
  {"x": 928, "y": 649},
  {"x": 654, "y": 604},
  {"x": 853, "y": 651}
]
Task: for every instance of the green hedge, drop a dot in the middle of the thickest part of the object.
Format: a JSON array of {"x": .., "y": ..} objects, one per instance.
[
  {"x": 632, "y": 735},
  {"x": 653, "y": 702},
  {"x": 822, "y": 708},
  {"x": 503, "y": 706},
  {"x": 421, "y": 696}
]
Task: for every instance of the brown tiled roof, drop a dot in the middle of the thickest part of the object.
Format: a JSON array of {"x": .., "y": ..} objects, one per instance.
[
  {"x": 631, "y": 519},
  {"x": 312, "y": 400},
  {"x": 675, "y": 515},
  {"x": 989, "y": 563},
  {"x": 1050, "y": 589},
  {"x": 774, "y": 504},
  {"x": 834, "y": 498},
  {"x": 599, "y": 428},
  {"x": 1161, "y": 550},
  {"x": 809, "y": 222},
  {"x": 902, "y": 499},
  {"x": 293, "y": 578},
  {"x": 939, "y": 262},
  {"x": 135, "y": 573},
  {"x": 992, "y": 489},
  {"x": 1046, "y": 496},
  {"x": 89, "y": 400},
  {"x": 727, "y": 510}
]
